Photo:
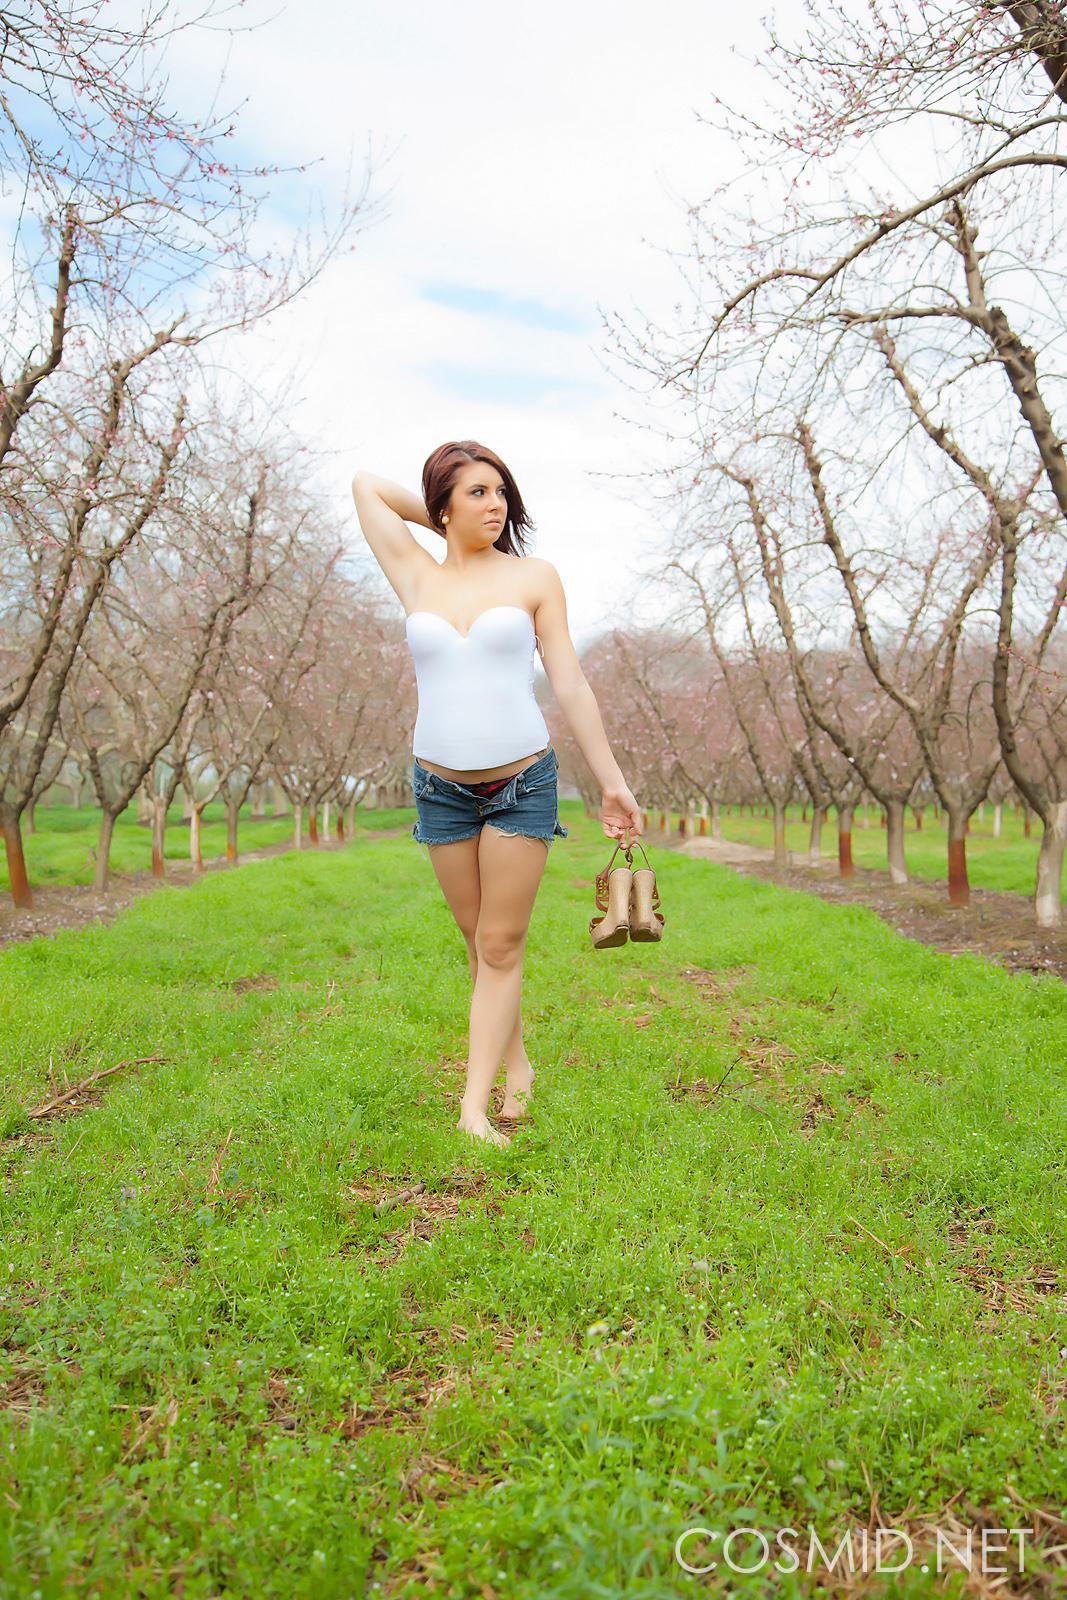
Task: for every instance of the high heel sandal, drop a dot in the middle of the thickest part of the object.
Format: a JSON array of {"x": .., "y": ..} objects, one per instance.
[
  {"x": 613, "y": 899},
  {"x": 646, "y": 920}
]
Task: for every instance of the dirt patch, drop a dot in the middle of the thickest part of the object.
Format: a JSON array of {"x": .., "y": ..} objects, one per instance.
[
  {"x": 419, "y": 1212},
  {"x": 58, "y": 906},
  {"x": 997, "y": 925},
  {"x": 22, "y": 1388}
]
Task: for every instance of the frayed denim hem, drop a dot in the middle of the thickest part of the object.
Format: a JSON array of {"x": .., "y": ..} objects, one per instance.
[{"x": 473, "y": 834}]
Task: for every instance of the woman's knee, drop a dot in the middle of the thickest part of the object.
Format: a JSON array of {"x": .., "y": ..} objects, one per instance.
[{"x": 502, "y": 948}]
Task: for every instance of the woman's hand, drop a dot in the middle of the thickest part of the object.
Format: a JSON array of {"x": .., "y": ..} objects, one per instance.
[{"x": 620, "y": 814}]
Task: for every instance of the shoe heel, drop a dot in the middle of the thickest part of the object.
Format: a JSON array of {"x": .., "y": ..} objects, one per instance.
[
  {"x": 646, "y": 923},
  {"x": 613, "y": 928}
]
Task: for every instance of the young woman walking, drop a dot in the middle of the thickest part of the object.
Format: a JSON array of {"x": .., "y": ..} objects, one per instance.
[{"x": 484, "y": 771}]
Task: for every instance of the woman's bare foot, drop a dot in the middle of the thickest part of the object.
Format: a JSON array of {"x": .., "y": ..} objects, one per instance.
[
  {"x": 477, "y": 1124},
  {"x": 517, "y": 1091}
]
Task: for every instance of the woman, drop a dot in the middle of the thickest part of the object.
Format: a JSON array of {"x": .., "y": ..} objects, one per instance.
[{"x": 484, "y": 771}]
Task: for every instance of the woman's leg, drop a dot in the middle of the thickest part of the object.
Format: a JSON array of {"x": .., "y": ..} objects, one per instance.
[
  {"x": 456, "y": 867},
  {"x": 511, "y": 867},
  {"x": 518, "y": 1081}
]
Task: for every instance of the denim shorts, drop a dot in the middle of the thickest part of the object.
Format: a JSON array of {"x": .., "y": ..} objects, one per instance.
[{"x": 449, "y": 811}]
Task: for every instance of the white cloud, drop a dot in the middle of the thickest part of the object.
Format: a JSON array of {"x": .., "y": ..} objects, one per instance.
[{"x": 535, "y": 154}]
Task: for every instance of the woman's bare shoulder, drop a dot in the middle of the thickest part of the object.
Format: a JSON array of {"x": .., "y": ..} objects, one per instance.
[{"x": 543, "y": 579}]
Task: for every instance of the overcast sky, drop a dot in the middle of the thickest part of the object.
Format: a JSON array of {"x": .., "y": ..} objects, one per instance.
[{"x": 532, "y": 170}]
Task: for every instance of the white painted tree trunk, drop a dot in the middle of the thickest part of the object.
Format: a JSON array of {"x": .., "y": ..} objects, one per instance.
[
  {"x": 898, "y": 866},
  {"x": 997, "y": 811},
  {"x": 818, "y": 816},
  {"x": 1050, "y": 867}
]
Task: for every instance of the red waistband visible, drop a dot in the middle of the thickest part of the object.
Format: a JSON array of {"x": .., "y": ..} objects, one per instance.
[{"x": 489, "y": 788}]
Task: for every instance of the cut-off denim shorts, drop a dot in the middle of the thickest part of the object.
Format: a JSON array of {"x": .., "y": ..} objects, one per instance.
[{"x": 449, "y": 811}]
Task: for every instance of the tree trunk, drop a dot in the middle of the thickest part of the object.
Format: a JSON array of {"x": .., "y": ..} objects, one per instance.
[
  {"x": 894, "y": 842},
  {"x": 845, "y": 868},
  {"x": 351, "y": 822},
  {"x": 313, "y": 824},
  {"x": 31, "y": 814},
  {"x": 194, "y": 841},
  {"x": 866, "y": 817},
  {"x": 997, "y": 813},
  {"x": 281, "y": 803},
  {"x": 298, "y": 826},
  {"x": 818, "y": 816},
  {"x": 1050, "y": 867},
  {"x": 716, "y": 820},
  {"x": 259, "y": 802},
  {"x": 1028, "y": 822},
  {"x": 341, "y": 823},
  {"x": 959, "y": 890},
  {"x": 326, "y": 819},
  {"x": 231, "y": 832},
  {"x": 159, "y": 824},
  {"x": 21, "y": 892},
  {"x": 103, "y": 850},
  {"x": 144, "y": 805},
  {"x": 781, "y": 854},
  {"x": 917, "y": 813},
  {"x": 188, "y": 808}
]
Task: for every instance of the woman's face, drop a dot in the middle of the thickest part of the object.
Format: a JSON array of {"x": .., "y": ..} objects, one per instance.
[{"x": 479, "y": 507}]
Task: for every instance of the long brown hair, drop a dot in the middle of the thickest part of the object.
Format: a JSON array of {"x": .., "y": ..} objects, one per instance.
[{"x": 440, "y": 473}]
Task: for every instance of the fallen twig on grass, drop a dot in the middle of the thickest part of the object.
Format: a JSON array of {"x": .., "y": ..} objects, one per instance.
[
  {"x": 216, "y": 1168},
  {"x": 86, "y": 1084},
  {"x": 387, "y": 1201}
]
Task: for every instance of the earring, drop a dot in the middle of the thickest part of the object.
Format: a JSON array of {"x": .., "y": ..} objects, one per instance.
[{"x": 444, "y": 519}]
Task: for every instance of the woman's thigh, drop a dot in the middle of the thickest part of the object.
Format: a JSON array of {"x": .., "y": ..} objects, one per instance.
[
  {"x": 511, "y": 866},
  {"x": 458, "y": 872}
]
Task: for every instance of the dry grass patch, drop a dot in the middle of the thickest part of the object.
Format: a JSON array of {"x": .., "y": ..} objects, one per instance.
[
  {"x": 261, "y": 980},
  {"x": 816, "y": 1110},
  {"x": 717, "y": 985},
  {"x": 968, "y": 1241},
  {"x": 425, "y": 1211},
  {"x": 22, "y": 1387}
]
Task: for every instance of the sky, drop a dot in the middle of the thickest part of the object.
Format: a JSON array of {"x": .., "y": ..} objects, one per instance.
[{"x": 528, "y": 171}]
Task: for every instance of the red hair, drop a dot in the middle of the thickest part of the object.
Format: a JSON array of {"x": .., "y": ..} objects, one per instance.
[{"x": 438, "y": 478}]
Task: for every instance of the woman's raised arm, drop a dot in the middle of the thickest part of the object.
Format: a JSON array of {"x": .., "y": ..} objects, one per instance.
[{"x": 384, "y": 510}]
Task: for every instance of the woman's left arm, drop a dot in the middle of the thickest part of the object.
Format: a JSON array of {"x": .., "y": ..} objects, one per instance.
[{"x": 620, "y": 813}]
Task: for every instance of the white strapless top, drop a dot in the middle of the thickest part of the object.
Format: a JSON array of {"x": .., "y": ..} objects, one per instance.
[{"x": 477, "y": 706}]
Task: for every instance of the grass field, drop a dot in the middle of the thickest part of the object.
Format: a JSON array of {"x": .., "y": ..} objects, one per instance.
[
  {"x": 61, "y": 849},
  {"x": 784, "y": 1237},
  {"x": 1009, "y": 862}
]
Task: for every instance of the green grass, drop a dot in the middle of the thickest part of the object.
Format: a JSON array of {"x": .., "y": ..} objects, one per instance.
[
  {"x": 63, "y": 848},
  {"x": 1009, "y": 862},
  {"x": 61, "y": 851},
  {"x": 661, "y": 1307}
]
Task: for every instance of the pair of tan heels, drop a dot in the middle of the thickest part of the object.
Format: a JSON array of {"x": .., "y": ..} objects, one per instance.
[{"x": 629, "y": 898}]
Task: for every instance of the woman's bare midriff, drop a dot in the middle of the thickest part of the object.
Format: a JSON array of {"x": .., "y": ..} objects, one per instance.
[{"x": 484, "y": 774}]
